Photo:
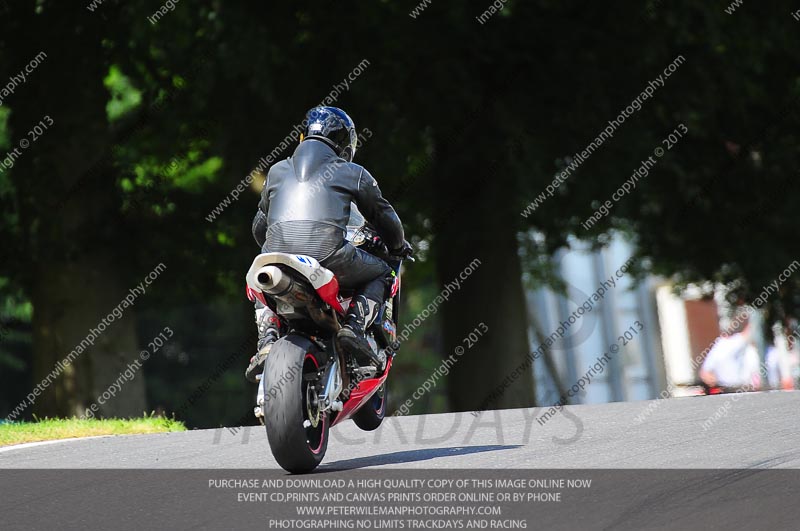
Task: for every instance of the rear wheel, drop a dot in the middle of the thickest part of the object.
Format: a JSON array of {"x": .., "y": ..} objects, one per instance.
[
  {"x": 371, "y": 414},
  {"x": 296, "y": 430}
]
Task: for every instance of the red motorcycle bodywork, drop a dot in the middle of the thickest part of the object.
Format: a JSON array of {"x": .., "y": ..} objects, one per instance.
[{"x": 361, "y": 394}]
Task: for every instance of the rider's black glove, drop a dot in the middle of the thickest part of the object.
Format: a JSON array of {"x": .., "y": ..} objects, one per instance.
[{"x": 404, "y": 251}]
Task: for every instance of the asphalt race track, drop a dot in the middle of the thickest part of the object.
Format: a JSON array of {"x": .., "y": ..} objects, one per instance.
[
  {"x": 757, "y": 430},
  {"x": 722, "y": 462}
]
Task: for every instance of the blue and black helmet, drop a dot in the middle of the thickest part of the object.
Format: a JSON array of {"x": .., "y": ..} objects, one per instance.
[{"x": 335, "y": 128}]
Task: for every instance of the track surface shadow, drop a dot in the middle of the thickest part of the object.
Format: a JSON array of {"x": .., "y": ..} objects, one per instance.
[{"x": 411, "y": 456}]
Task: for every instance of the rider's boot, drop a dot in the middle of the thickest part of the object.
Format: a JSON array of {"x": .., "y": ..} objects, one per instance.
[
  {"x": 351, "y": 336},
  {"x": 268, "y": 332}
]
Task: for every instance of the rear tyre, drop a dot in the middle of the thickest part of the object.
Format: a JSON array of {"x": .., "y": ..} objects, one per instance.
[
  {"x": 371, "y": 414},
  {"x": 289, "y": 370}
]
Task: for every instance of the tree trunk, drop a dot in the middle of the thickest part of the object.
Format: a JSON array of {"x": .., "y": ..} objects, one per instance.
[
  {"x": 75, "y": 278},
  {"x": 72, "y": 300},
  {"x": 473, "y": 224}
]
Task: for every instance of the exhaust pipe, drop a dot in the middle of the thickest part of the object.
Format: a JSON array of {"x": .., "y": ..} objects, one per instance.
[
  {"x": 276, "y": 283},
  {"x": 272, "y": 280}
]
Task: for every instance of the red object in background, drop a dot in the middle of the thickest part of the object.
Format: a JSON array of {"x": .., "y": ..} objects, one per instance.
[{"x": 702, "y": 320}]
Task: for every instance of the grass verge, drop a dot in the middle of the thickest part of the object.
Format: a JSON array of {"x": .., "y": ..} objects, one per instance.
[{"x": 52, "y": 429}]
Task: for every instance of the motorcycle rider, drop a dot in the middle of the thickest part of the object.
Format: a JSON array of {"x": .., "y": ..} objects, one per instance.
[{"x": 304, "y": 209}]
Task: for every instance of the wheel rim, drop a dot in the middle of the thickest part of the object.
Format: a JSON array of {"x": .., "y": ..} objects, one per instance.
[
  {"x": 315, "y": 433},
  {"x": 312, "y": 405},
  {"x": 379, "y": 399}
]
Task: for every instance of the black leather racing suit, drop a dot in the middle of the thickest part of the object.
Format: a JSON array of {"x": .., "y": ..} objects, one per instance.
[{"x": 304, "y": 209}]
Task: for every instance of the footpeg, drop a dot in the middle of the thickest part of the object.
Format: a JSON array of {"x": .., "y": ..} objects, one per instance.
[
  {"x": 381, "y": 360},
  {"x": 365, "y": 373}
]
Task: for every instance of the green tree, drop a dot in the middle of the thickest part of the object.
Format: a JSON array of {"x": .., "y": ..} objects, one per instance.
[{"x": 155, "y": 124}]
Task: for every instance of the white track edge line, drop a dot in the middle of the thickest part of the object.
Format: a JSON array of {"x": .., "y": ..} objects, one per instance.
[{"x": 45, "y": 443}]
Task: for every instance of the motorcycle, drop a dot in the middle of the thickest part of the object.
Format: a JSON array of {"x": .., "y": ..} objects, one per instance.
[{"x": 309, "y": 383}]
